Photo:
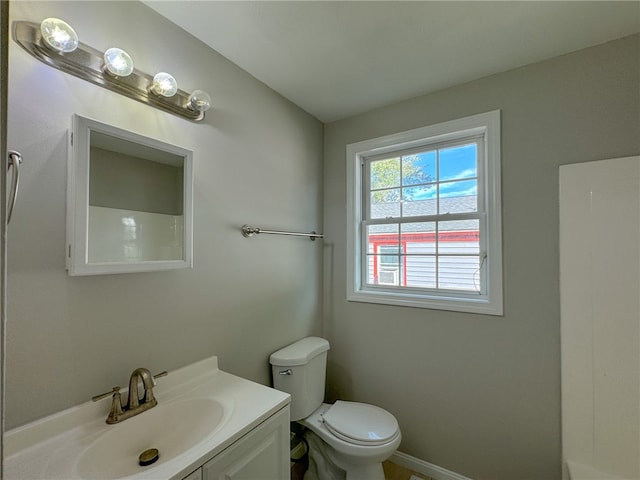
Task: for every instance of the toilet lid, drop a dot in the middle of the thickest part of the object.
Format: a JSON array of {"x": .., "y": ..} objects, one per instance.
[{"x": 360, "y": 423}]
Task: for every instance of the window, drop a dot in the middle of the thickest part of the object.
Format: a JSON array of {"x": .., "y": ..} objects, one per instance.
[
  {"x": 424, "y": 217},
  {"x": 388, "y": 267}
]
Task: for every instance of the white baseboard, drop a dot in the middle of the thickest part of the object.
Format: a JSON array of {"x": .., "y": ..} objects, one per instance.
[{"x": 425, "y": 468}]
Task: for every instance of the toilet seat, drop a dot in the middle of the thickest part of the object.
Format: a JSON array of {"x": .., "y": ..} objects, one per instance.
[{"x": 360, "y": 423}]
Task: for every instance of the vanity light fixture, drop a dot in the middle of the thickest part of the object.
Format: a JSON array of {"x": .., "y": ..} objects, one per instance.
[
  {"x": 55, "y": 43},
  {"x": 199, "y": 101},
  {"x": 164, "y": 84},
  {"x": 58, "y": 35},
  {"x": 118, "y": 62}
]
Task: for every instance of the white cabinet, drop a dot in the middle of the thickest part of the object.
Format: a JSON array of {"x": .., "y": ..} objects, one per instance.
[
  {"x": 261, "y": 454},
  {"x": 129, "y": 202},
  {"x": 197, "y": 475}
]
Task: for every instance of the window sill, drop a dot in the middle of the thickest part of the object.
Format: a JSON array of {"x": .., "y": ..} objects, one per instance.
[{"x": 467, "y": 305}]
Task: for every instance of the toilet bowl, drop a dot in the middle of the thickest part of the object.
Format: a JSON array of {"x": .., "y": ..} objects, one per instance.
[
  {"x": 355, "y": 437},
  {"x": 356, "y": 447}
]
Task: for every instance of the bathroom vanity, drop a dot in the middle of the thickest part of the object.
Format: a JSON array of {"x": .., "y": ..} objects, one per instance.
[
  {"x": 258, "y": 454},
  {"x": 208, "y": 425}
]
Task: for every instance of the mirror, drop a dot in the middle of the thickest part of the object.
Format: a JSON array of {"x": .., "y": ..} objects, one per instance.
[{"x": 129, "y": 202}]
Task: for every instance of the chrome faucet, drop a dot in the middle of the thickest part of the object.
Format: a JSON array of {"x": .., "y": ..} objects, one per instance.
[{"x": 135, "y": 404}]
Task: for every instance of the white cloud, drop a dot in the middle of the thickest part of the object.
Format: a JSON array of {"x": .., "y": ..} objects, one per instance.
[{"x": 469, "y": 172}]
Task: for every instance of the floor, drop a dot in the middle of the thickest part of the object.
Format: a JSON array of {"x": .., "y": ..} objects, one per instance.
[{"x": 392, "y": 471}]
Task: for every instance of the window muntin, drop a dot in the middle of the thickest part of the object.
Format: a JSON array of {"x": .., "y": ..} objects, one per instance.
[{"x": 433, "y": 196}]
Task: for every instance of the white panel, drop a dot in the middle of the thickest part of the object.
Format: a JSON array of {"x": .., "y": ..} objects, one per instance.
[
  {"x": 600, "y": 291},
  {"x": 615, "y": 301},
  {"x": 576, "y": 328}
]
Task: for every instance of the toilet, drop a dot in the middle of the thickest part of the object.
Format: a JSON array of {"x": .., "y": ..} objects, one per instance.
[{"x": 354, "y": 437}]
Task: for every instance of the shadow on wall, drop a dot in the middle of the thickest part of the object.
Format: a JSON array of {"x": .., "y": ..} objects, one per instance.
[{"x": 338, "y": 380}]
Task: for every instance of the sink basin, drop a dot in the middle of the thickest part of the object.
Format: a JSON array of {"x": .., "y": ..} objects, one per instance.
[
  {"x": 172, "y": 428},
  {"x": 201, "y": 411}
]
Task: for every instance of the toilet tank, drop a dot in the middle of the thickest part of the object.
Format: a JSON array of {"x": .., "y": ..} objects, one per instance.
[{"x": 300, "y": 370}]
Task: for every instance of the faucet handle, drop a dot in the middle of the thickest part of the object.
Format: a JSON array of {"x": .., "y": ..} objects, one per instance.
[
  {"x": 158, "y": 375},
  {"x": 113, "y": 391},
  {"x": 116, "y": 407},
  {"x": 116, "y": 404}
]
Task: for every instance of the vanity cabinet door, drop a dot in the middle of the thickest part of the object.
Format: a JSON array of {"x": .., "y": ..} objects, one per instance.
[
  {"x": 262, "y": 453},
  {"x": 197, "y": 475}
]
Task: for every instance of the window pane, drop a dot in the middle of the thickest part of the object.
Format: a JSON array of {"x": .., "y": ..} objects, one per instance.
[
  {"x": 419, "y": 168},
  {"x": 383, "y": 255},
  {"x": 458, "y": 162},
  {"x": 421, "y": 271},
  {"x": 419, "y": 238},
  {"x": 459, "y": 237},
  {"x": 459, "y": 273},
  {"x": 386, "y": 234},
  {"x": 385, "y": 173},
  {"x": 419, "y": 241},
  {"x": 459, "y": 197},
  {"x": 423, "y": 192},
  {"x": 385, "y": 203},
  {"x": 414, "y": 204}
]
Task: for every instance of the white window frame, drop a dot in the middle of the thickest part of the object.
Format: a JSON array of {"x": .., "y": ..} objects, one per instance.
[{"x": 490, "y": 302}]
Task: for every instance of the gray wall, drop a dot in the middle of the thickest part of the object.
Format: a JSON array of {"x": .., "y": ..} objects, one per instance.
[
  {"x": 480, "y": 395},
  {"x": 257, "y": 160}
]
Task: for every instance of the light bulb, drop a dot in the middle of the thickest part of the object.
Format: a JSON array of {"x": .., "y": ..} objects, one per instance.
[
  {"x": 164, "y": 84},
  {"x": 118, "y": 62},
  {"x": 199, "y": 101},
  {"x": 58, "y": 35}
]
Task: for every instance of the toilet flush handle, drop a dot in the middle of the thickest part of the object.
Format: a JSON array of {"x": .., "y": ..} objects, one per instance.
[{"x": 285, "y": 372}]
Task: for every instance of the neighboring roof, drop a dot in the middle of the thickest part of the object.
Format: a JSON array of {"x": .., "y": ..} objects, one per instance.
[{"x": 425, "y": 207}]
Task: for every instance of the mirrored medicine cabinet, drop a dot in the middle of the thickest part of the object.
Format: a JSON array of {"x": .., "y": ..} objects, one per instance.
[{"x": 129, "y": 202}]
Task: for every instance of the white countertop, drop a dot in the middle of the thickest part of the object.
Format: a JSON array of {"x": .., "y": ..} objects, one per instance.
[{"x": 51, "y": 448}]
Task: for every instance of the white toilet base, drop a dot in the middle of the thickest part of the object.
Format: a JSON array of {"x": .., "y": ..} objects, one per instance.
[
  {"x": 371, "y": 471},
  {"x": 326, "y": 464},
  {"x": 321, "y": 467}
]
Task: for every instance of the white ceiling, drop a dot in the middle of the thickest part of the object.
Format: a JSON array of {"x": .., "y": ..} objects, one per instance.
[{"x": 336, "y": 58}]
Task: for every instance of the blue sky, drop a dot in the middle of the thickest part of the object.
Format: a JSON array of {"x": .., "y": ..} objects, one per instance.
[{"x": 456, "y": 163}]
